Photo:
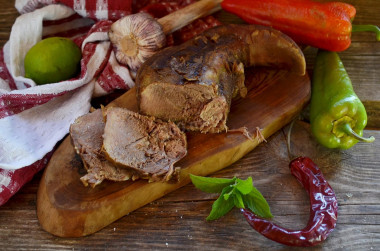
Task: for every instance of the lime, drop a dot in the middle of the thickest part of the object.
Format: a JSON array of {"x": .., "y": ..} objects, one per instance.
[{"x": 52, "y": 60}]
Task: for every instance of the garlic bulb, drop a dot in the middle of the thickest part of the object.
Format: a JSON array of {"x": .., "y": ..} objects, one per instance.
[{"x": 135, "y": 38}]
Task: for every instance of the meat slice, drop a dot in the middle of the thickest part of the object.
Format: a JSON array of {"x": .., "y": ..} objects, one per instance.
[
  {"x": 87, "y": 136},
  {"x": 193, "y": 84},
  {"x": 147, "y": 145}
]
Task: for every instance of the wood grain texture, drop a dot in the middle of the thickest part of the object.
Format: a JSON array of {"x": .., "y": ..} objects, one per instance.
[
  {"x": 177, "y": 221},
  {"x": 68, "y": 209}
]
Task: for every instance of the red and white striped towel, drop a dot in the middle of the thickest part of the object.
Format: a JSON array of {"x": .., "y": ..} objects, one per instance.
[
  {"x": 94, "y": 9},
  {"x": 34, "y": 118}
]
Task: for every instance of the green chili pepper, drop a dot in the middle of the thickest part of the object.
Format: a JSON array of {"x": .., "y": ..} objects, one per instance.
[{"x": 337, "y": 115}]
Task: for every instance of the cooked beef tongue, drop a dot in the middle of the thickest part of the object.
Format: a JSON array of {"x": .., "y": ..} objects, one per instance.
[
  {"x": 87, "y": 137},
  {"x": 147, "y": 145},
  {"x": 192, "y": 84}
]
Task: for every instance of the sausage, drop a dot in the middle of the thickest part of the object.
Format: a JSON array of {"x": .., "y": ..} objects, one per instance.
[{"x": 193, "y": 84}]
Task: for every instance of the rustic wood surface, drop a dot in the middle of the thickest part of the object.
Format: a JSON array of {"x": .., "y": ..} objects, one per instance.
[
  {"x": 177, "y": 221},
  {"x": 270, "y": 104}
]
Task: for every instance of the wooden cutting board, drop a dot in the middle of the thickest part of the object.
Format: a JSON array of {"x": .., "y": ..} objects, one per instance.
[{"x": 68, "y": 209}]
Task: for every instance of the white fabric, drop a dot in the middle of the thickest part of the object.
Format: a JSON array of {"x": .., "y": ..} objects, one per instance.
[{"x": 27, "y": 136}]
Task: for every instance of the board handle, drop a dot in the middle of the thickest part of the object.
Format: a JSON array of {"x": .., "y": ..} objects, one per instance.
[{"x": 180, "y": 18}]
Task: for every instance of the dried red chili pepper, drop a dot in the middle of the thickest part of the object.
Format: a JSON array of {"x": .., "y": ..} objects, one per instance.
[
  {"x": 139, "y": 4},
  {"x": 323, "y": 209},
  {"x": 162, "y": 9},
  {"x": 195, "y": 28}
]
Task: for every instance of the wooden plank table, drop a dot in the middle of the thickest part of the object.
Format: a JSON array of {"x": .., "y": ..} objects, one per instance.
[{"x": 177, "y": 221}]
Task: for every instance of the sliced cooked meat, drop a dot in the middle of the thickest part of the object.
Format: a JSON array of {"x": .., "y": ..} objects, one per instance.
[
  {"x": 192, "y": 84},
  {"x": 148, "y": 146},
  {"x": 86, "y": 133}
]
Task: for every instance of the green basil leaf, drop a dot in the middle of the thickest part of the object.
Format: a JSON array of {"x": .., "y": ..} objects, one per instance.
[
  {"x": 221, "y": 206},
  {"x": 256, "y": 202},
  {"x": 233, "y": 192},
  {"x": 245, "y": 186},
  {"x": 238, "y": 199},
  {"x": 226, "y": 196},
  {"x": 210, "y": 184}
]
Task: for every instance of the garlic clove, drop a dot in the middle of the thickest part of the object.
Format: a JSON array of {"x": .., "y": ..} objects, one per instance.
[{"x": 136, "y": 38}]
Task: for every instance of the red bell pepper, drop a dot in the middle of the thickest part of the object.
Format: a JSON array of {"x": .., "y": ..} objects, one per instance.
[{"x": 323, "y": 25}]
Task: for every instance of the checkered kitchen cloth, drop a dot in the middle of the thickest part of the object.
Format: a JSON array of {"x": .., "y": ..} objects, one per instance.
[{"x": 34, "y": 118}]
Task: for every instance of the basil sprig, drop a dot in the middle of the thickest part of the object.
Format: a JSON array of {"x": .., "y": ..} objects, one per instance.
[{"x": 233, "y": 192}]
